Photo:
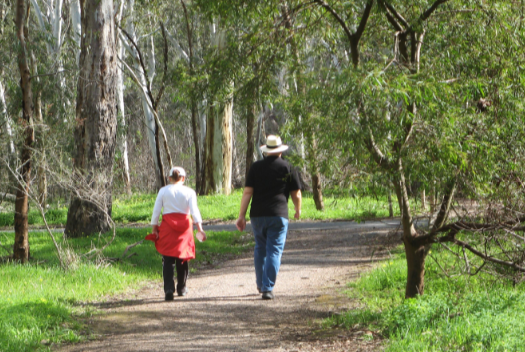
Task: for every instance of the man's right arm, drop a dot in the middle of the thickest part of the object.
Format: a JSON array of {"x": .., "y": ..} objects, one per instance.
[
  {"x": 245, "y": 201},
  {"x": 297, "y": 200}
]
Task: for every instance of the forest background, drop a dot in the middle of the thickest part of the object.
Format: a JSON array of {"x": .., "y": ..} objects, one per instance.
[{"x": 397, "y": 100}]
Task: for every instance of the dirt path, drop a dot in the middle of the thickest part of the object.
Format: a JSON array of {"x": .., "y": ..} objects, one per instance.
[{"x": 223, "y": 311}]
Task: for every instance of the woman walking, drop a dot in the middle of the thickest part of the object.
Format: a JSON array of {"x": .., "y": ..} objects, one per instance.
[{"x": 174, "y": 237}]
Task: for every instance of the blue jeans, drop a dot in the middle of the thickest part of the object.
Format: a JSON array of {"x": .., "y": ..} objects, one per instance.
[{"x": 270, "y": 236}]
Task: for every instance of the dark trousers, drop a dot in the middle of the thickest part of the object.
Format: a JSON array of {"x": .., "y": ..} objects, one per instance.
[{"x": 167, "y": 272}]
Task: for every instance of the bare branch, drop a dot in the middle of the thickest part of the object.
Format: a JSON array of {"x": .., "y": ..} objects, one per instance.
[
  {"x": 432, "y": 8},
  {"x": 141, "y": 61},
  {"x": 489, "y": 258},
  {"x": 165, "y": 75},
  {"x": 129, "y": 247}
]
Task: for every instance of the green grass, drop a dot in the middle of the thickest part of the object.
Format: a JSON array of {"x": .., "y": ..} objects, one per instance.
[
  {"x": 138, "y": 208},
  {"x": 455, "y": 314},
  {"x": 39, "y": 301}
]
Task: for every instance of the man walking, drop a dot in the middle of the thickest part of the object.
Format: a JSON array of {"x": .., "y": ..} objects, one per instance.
[{"x": 270, "y": 182}]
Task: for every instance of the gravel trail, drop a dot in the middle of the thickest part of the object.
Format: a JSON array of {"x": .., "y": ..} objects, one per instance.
[{"x": 224, "y": 312}]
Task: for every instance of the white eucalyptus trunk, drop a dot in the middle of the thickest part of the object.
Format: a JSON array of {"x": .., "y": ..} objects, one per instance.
[
  {"x": 74, "y": 11},
  {"x": 4, "y": 118},
  {"x": 122, "y": 120},
  {"x": 149, "y": 118},
  {"x": 227, "y": 146}
]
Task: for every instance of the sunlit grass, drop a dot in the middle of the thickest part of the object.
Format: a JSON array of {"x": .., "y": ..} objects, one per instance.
[
  {"x": 39, "y": 302},
  {"x": 455, "y": 314},
  {"x": 138, "y": 208}
]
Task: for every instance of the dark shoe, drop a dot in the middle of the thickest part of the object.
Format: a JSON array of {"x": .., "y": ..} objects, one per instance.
[
  {"x": 182, "y": 292},
  {"x": 169, "y": 296},
  {"x": 267, "y": 295}
]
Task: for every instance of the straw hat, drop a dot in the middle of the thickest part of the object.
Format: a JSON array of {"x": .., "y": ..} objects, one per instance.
[{"x": 274, "y": 145}]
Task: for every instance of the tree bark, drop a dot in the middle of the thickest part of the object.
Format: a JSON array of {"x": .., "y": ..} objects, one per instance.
[
  {"x": 41, "y": 165},
  {"x": 444, "y": 210},
  {"x": 415, "y": 254},
  {"x": 314, "y": 171},
  {"x": 390, "y": 207},
  {"x": 121, "y": 108},
  {"x": 21, "y": 245},
  {"x": 96, "y": 117},
  {"x": 210, "y": 182},
  {"x": 250, "y": 141},
  {"x": 196, "y": 141},
  {"x": 227, "y": 146},
  {"x": 218, "y": 148},
  {"x": 6, "y": 120}
]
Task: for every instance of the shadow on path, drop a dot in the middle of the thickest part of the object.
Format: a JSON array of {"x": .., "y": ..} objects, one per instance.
[{"x": 223, "y": 311}]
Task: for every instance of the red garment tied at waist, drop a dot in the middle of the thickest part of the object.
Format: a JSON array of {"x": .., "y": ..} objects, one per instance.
[{"x": 175, "y": 236}]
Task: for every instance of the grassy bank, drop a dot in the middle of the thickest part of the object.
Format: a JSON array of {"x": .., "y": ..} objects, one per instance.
[
  {"x": 455, "y": 314},
  {"x": 138, "y": 208},
  {"x": 39, "y": 303}
]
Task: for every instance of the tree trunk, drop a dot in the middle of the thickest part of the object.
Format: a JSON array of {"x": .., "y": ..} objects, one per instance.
[
  {"x": 96, "y": 116},
  {"x": 317, "y": 192},
  {"x": 21, "y": 245},
  {"x": 124, "y": 139},
  {"x": 415, "y": 255},
  {"x": 423, "y": 200},
  {"x": 147, "y": 105},
  {"x": 444, "y": 210},
  {"x": 74, "y": 10},
  {"x": 259, "y": 136},
  {"x": 227, "y": 146},
  {"x": 41, "y": 168},
  {"x": 250, "y": 142},
  {"x": 390, "y": 207},
  {"x": 196, "y": 141},
  {"x": 210, "y": 181}
]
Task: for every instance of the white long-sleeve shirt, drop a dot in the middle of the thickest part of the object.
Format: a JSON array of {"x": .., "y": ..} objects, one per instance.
[{"x": 176, "y": 198}]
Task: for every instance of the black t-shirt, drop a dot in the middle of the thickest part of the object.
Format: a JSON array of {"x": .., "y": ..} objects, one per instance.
[{"x": 272, "y": 180}]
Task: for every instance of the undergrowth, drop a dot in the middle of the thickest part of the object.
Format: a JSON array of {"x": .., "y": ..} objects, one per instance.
[{"x": 457, "y": 313}]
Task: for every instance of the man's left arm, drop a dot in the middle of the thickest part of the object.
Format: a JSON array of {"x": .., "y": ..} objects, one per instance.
[{"x": 297, "y": 200}]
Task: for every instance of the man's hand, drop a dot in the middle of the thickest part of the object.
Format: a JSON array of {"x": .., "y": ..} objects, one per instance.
[
  {"x": 297, "y": 215},
  {"x": 241, "y": 223},
  {"x": 156, "y": 231}
]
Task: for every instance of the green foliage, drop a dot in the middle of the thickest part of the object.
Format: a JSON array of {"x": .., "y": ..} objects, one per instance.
[
  {"x": 39, "y": 301},
  {"x": 455, "y": 314}
]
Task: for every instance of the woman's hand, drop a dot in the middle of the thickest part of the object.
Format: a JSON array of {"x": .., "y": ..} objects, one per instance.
[
  {"x": 156, "y": 231},
  {"x": 201, "y": 236}
]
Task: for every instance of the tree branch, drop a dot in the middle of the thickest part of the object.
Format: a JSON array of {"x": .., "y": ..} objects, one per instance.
[
  {"x": 142, "y": 64},
  {"x": 378, "y": 156},
  {"x": 488, "y": 258},
  {"x": 366, "y": 14},
  {"x": 163, "y": 84},
  {"x": 336, "y": 16},
  {"x": 425, "y": 15},
  {"x": 396, "y": 16}
]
